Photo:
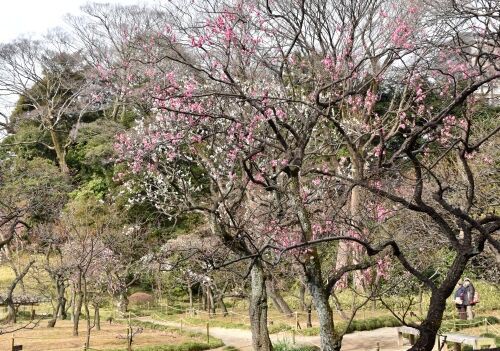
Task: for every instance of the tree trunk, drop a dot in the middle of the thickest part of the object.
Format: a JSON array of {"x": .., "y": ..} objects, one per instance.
[
  {"x": 339, "y": 308},
  {"x": 21, "y": 281},
  {"x": 421, "y": 301},
  {"x": 11, "y": 312},
  {"x": 277, "y": 298},
  {"x": 159, "y": 285},
  {"x": 309, "y": 316},
  {"x": 122, "y": 303},
  {"x": 432, "y": 322},
  {"x": 258, "y": 310},
  {"x": 275, "y": 302},
  {"x": 190, "y": 292},
  {"x": 55, "y": 311},
  {"x": 329, "y": 339},
  {"x": 87, "y": 313},
  {"x": 430, "y": 326},
  {"x": 77, "y": 304},
  {"x": 72, "y": 303},
  {"x": 61, "y": 299},
  {"x": 60, "y": 309},
  {"x": 222, "y": 305},
  {"x": 211, "y": 300},
  {"x": 302, "y": 297},
  {"x": 204, "y": 297},
  {"x": 60, "y": 152},
  {"x": 9, "y": 300},
  {"x": 97, "y": 317}
]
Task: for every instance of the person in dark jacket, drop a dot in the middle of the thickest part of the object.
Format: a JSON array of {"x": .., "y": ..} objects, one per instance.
[
  {"x": 469, "y": 293},
  {"x": 459, "y": 301}
]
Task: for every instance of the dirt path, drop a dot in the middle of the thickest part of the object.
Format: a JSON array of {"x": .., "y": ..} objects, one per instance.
[{"x": 242, "y": 339}]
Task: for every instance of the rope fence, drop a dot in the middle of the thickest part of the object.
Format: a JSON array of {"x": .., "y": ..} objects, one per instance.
[
  {"x": 492, "y": 327},
  {"x": 186, "y": 316}
]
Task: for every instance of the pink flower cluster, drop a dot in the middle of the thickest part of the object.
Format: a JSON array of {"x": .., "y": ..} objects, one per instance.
[
  {"x": 401, "y": 35},
  {"x": 446, "y": 131}
]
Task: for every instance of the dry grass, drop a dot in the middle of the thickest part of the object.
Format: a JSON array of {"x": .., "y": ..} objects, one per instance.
[{"x": 60, "y": 338}]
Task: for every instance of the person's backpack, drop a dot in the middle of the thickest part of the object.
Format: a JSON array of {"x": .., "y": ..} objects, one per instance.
[{"x": 475, "y": 299}]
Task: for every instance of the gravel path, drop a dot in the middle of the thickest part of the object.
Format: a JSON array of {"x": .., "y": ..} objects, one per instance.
[{"x": 242, "y": 339}]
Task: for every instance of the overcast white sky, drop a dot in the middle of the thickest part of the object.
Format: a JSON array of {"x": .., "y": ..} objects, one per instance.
[
  {"x": 25, "y": 17},
  {"x": 35, "y": 17}
]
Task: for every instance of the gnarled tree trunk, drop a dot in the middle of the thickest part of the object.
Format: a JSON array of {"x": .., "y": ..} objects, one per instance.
[
  {"x": 97, "y": 317},
  {"x": 190, "y": 292},
  {"x": 302, "y": 297},
  {"x": 329, "y": 339},
  {"x": 258, "y": 309},
  {"x": 121, "y": 302},
  {"x": 430, "y": 326},
  {"x": 61, "y": 298},
  {"x": 60, "y": 151},
  {"x": 211, "y": 300},
  {"x": 78, "y": 303},
  {"x": 9, "y": 299},
  {"x": 277, "y": 298}
]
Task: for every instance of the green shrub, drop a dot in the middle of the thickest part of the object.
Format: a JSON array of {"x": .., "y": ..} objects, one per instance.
[
  {"x": 368, "y": 324},
  {"x": 217, "y": 323},
  {"x": 486, "y": 335},
  {"x": 491, "y": 335},
  {"x": 277, "y": 328},
  {"x": 286, "y": 346},
  {"x": 459, "y": 324},
  {"x": 358, "y": 325},
  {"x": 187, "y": 346},
  {"x": 310, "y": 331}
]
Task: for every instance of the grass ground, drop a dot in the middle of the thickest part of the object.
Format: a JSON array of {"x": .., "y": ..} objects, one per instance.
[
  {"x": 237, "y": 317},
  {"x": 110, "y": 337}
]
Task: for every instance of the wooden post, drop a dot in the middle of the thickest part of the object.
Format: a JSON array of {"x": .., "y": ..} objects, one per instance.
[
  {"x": 486, "y": 325},
  {"x": 378, "y": 346},
  {"x": 129, "y": 333},
  {"x": 309, "y": 316},
  {"x": 296, "y": 320},
  {"x": 181, "y": 325},
  {"x": 293, "y": 337},
  {"x": 208, "y": 333},
  {"x": 12, "y": 348}
]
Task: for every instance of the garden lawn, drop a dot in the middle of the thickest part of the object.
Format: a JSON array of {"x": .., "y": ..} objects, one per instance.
[{"x": 60, "y": 338}]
